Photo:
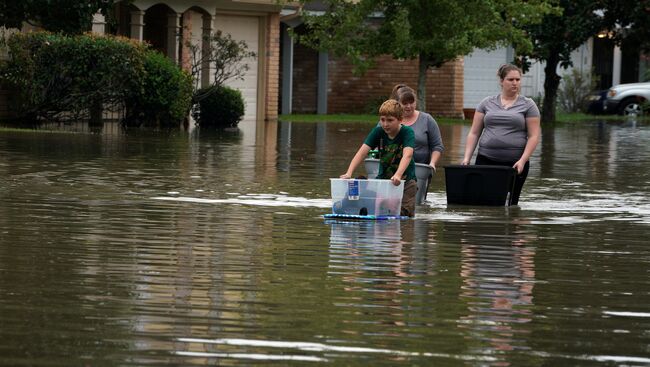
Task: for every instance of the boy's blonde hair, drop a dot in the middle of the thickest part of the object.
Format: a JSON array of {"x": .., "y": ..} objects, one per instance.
[{"x": 391, "y": 108}]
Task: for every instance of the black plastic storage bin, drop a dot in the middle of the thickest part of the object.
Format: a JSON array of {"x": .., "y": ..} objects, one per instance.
[{"x": 479, "y": 185}]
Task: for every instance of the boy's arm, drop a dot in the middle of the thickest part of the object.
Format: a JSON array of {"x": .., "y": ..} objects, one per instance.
[
  {"x": 407, "y": 155},
  {"x": 356, "y": 161}
]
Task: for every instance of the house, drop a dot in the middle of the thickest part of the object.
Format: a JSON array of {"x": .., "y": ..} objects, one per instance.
[
  {"x": 610, "y": 63},
  {"x": 317, "y": 82},
  {"x": 166, "y": 24}
]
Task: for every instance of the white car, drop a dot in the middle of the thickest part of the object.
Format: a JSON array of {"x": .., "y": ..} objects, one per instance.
[{"x": 627, "y": 99}]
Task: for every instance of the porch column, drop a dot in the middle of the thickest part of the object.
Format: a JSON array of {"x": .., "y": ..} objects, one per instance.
[
  {"x": 186, "y": 37},
  {"x": 137, "y": 24},
  {"x": 99, "y": 23},
  {"x": 616, "y": 66},
  {"x": 287, "y": 72},
  {"x": 321, "y": 104},
  {"x": 208, "y": 29},
  {"x": 173, "y": 35}
]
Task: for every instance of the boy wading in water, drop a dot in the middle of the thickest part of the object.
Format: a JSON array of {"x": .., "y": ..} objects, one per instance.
[{"x": 395, "y": 143}]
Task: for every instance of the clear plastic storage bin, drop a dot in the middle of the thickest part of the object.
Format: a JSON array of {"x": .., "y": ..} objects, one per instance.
[
  {"x": 423, "y": 172},
  {"x": 366, "y": 197}
]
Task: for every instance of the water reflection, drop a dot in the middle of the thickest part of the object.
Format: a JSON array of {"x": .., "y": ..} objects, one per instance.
[
  {"x": 366, "y": 246},
  {"x": 498, "y": 274},
  {"x": 202, "y": 248}
]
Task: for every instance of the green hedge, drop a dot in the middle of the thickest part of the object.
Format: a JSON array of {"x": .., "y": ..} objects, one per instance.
[
  {"x": 56, "y": 77},
  {"x": 166, "y": 95},
  {"x": 219, "y": 107}
]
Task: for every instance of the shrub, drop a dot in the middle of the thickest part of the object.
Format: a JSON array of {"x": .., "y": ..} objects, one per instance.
[
  {"x": 220, "y": 107},
  {"x": 575, "y": 89},
  {"x": 371, "y": 106},
  {"x": 166, "y": 94},
  {"x": 539, "y": 99},
  {"x": 55, "y": 77}
]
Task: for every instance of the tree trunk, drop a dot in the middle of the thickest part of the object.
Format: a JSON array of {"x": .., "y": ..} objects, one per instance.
[
  {"x": 423, "y": 66},
  {"x": 551, "y": 84},
  {"x": 96, "y": 114}
]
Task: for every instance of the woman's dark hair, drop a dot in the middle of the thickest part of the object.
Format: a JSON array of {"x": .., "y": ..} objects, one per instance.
[
  {"x": 506, "y": 68},
  {"x": 394, "y": 94},
  {"x": 406, "y": 95}
]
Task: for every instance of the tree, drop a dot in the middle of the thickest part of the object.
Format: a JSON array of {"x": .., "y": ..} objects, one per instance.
[
  {"x": 65, "y": 16},
  {"x": 632, "y": 19},
  {"x": 555, "y": 38},
  {"x": 223, "y": 55},
  {"x": 216, "y": 105},
  {"x": 434, "y": 32},
  {"x": 559, "y": 34}
]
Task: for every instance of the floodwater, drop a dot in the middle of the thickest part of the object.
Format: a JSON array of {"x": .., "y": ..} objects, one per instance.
[{"x": 190, "y": 248}]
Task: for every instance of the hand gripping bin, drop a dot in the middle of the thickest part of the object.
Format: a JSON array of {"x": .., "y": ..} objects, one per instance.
[
  {"x": 479, "y": 185},
  {"x": 423, "y": 172},
  {"x": 366, "y": 197}
]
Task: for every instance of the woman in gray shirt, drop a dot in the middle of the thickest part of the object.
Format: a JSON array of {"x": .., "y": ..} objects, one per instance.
[
  {"x": 506, "y": 128},
  {"x": 428, "y": 142}
]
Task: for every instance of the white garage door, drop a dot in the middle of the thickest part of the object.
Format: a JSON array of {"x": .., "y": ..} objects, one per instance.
[
  {"x": 481, "y": 75},
  {"x": 245, "y": 29}
]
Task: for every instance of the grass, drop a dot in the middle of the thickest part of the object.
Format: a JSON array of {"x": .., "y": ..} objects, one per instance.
[
  {"x": 560, "y": 118},
  {"x": 366, "y": 118},
  {"x": 328, "y": 118},
  {"x": 32, "y": 130},
  {"x": 353, "y": 118},
  {"x": 579, "y": 117}
]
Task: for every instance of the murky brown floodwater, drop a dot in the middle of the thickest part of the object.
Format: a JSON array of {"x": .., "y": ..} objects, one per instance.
[{"x": 152, "y": 248}]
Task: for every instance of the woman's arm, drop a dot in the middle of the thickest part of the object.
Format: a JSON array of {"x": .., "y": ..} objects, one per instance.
[
  {"x": 435, "y": 141},
  {"x": 534, "y": 130},
  {"x": 472, "y": 137},
  {"x": 435, "y": 157}
]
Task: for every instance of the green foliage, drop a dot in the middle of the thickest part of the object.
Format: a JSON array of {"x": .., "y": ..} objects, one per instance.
[
  {"x": 575, "y": 89},
  {"x": 645, "y": 106},
  {"x": 631, "y": 21},
  {"x": 57, "y": 77},
  {"x": 65, "y": 16},
  {"x": 372, "y": 105},
  {"x": 538, "y": 99},
  {"x": 559, "y": 34},
  {"x": 218, "y": 106},
  {"x": 222, "y": 107},
  {"x": 432, "y": 31},
  {"x": 166, "y": 94}
]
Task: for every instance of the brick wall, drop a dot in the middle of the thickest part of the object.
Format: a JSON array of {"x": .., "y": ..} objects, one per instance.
[
  {"x": 445, "y": 89},
  {"x": 355, "y": 94},
  {"x": 272, "y": 66},
  {"x": 305, "y": 79}
]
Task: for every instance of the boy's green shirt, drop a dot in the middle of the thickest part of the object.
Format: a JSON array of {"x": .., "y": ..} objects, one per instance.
[{"x": 392, "y": 150}]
